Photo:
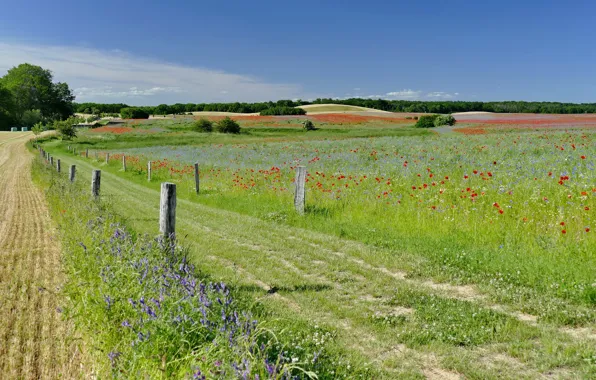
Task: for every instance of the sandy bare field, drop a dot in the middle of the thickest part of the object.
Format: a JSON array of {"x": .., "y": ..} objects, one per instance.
[{"x": 35, "y": 342}]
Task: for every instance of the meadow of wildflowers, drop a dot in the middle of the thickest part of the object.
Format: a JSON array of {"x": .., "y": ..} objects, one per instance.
[
  {"x": 506, "y": 209},
  {"x": 146, "y": 311}
]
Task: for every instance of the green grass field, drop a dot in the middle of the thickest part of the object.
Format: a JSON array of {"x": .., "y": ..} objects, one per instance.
[{"x": 428, "y": 255}]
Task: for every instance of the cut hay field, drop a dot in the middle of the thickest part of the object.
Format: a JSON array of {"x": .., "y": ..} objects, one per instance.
[
  {"x": 35, "y": 341},
  {"x": 429, "y": 255}
]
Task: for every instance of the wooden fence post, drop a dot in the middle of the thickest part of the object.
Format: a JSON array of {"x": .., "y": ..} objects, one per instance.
[
  {"x": 167, "y": 209},
  {"x": 299, "y": 197},
  {"x": 124, "y": 162},
  {"x": 197, "y": 177},
  {"x": 87, "y": 153},
  {"x": 58, "y": 166},
  {"x": 149, "y": 171},
  {"x": 107, "y": 157},
  {"x": 71, "y": 173},
  {"x": 95, "y": 182},
  {"x": 51, "y": 161}
]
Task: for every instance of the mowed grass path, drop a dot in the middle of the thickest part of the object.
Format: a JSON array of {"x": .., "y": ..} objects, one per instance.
[
  {"x": 35, "y": 343},
  {"x": 404, "y": 327}
]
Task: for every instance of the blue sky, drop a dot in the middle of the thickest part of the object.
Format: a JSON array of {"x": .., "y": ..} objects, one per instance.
[{"x": 139, "y": 52}]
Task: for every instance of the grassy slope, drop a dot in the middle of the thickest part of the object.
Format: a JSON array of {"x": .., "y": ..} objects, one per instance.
[
  {"x": 401, "y": 325},
  {"x": 322, "y": 108}
]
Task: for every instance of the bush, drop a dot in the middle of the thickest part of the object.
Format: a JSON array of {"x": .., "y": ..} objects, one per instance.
[
  {"x": 309, "y": 125},
  {"x": 203, "y": 125},
  {"x": 66, "y": 128},
  {"x": 282, "y": 111},
  {"x": 426, "y": 121},
  {"x": 37, "y": 129},
  {"x": 444, "y": 120},
  {"x": 228, "y": 125},
  {"x": 133, "y": 113}
]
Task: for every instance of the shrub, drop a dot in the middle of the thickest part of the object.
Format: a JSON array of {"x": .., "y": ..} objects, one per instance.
[
  {"x": 203, "y": 125},
  {"x": 37, "y": 129},
  {"x": 426, "y": 121},
  {"x": 283, "y": 110},
  {"x": 133, "y": 113},
  {"x": 66, "y": 128},
  {"x": 444, "y": 120},
  {"x": 228, "y": 125},
  {"x": 309, "y": 125}
]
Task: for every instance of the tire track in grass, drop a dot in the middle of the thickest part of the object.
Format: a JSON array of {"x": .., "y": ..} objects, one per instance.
[
  {"x": 231, "y": 236},
  {"x": 35, "y": 343}
]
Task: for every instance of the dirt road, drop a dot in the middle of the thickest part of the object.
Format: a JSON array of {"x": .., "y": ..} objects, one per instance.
[{"x": 34, "y": 339}]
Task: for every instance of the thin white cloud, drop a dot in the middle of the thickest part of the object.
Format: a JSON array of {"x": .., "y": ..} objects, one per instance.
[
  {"x": 441, "y": 95},
  {"x": 404, "y": 94},
  {"x": 114, "y": 76},
  {"x": 408, "y": 94}
]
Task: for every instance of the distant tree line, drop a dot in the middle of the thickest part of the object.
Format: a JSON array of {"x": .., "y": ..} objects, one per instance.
[
  {"x": 434, "y": 107},
  {"x": 180, "y": 108},
  {"x": 446, "y": 107},
  {"x": 98, "y": 108},
  {"x": 282, "y": 111},
  {"x": 29, "y": 96}
]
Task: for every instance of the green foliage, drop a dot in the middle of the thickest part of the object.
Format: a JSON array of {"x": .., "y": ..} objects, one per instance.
[
  {"x": 133, "y": 113},
  {"x": 309, "y": 125},
  {"x": 37, "y": 129},
  {"x": 32, "y": 88},
  {"x": 283, "y": 111},
  {"x": 6, "y": 108},
  {"x": 30, "y": 118},
  {"x": 111, "y": 108},
  {"x": 203, "y": 125},
  {"x": 66, "y": 128},
  {"x": 426, "y": 121},
  {"x": 442, "y": 120},
  {"x": 227, "y": 125},
  {"x": 92, "y": 118}
]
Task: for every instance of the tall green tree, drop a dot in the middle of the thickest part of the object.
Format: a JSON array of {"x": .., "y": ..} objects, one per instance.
[
  {"x": 32, "y": 88},
  {"x": 6, "y": 108}
]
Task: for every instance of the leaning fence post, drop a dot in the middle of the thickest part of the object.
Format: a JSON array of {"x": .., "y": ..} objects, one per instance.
[
  {"x": 107, "y": 157},
  {"x": 124, "y": 162},
  {"x": 197, "y": 177},
  {"x": 95, "y": 182},
  {"x": 299, "y": 197},
  {"x": 149, "y": 171},
  {"x": 71, "y": 173},
  {"x": 167, "y": 209},
  {"x": 58, "y": 166}
]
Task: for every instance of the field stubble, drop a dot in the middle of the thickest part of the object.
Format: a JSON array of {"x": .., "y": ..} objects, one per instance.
[{"x": 34, "y": 340}]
